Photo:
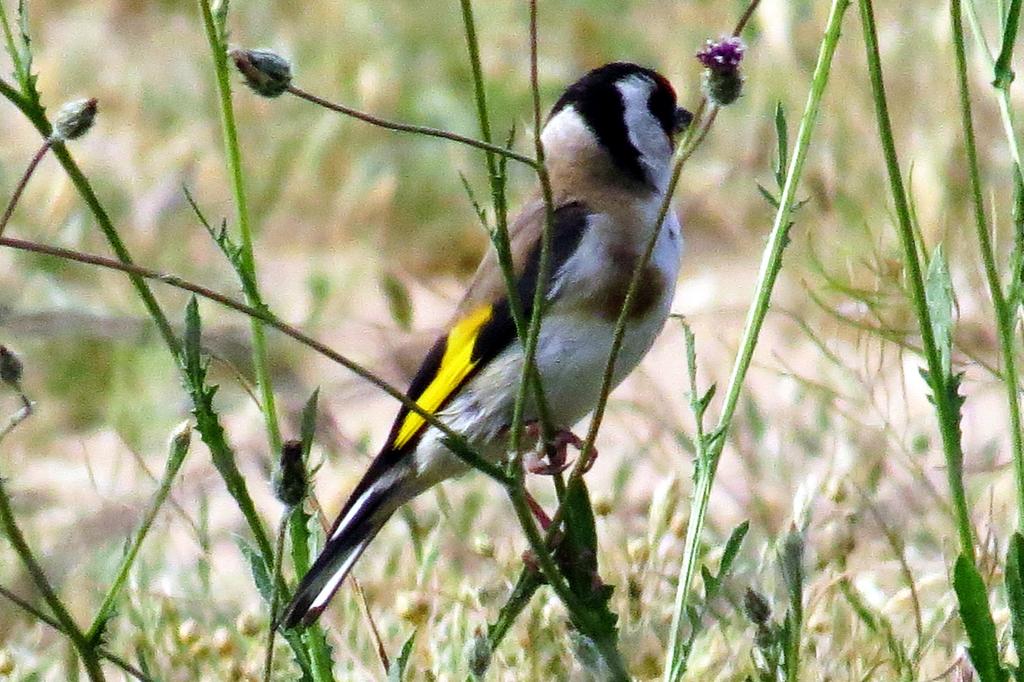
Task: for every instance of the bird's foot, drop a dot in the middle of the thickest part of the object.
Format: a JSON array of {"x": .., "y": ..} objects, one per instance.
[{"x": 555, "y": 459}]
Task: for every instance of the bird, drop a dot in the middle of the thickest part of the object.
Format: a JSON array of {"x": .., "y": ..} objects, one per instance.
[{"x": 608, "y": 144}]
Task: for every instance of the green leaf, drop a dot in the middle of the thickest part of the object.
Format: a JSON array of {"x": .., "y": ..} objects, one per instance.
[
  {"x": 768, "y": 196},
  {"x": 782, "y": 137},
  {"x": 481, "y": 214},
  {"x": 1003, "y": 71},
  {"x": 938, "y": 291},
  {"x": 732, "y": 548},
  {"x": 308, "y": 428},
  {"x": 396, "y": 671},
  {"x": 257, "y": 567},
  {"x": 25, "y": 53},
  {"x": 399, "y": 303},
  {"x": 1015, "y": 596},
  {"x": 972, "y": 597}
]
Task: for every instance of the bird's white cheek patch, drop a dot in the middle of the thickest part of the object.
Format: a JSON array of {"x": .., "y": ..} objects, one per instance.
[{"x": 645, "y": 132}]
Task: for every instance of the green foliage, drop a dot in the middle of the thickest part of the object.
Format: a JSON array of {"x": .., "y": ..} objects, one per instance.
[
  {"x": 938, "y": 290},
  {"x": 399, "y": 302},
  {"x": 972, "y": 597},
  {"x": 1015, "y": 598},
  {"x": 1003, "y": 69},
  {"x": 396, "y": 671}
]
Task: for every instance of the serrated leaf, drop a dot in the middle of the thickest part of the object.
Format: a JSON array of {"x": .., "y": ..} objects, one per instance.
[
  {"x": 1003, "y": 71},
  {"x": 972, "y": 597},
  {"x": 396, "y": 671},
  {"x": 938, "y": 290},
  {"x": 399, "y": 302},
  {"x": 257, "y": 568},
  {"x": 1015, "y": 595}
]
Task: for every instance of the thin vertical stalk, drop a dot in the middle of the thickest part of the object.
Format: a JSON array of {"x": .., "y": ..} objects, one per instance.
[
  {"x": 36, "y": 158},
  {"x": 543, "y": 271},
  {"x": 218, "y": 47},
  {"x": 771, "y": 264},
  {"x": 1005, "y": 105},
  {"x": 176, "y": 457},
  {"x": 1003, "y": 315},
  {"x": 82, "y": 645},
  {"x": 500, "y": 236},
  {"x": 275, "y": 592},
  {"x": 945, "y": 410}
]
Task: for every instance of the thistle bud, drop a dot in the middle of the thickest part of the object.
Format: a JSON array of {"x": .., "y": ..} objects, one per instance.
[
  {"x": 756, "y": 607},
  {"x": 74, "y": 119},
  {"x": 10, "y": 367},
  {"x": 266, "y": 73},
  {"x": 479, "y": 654},
  {"x": 722, "y": 81},
  {"x": 290, "y": 475}
]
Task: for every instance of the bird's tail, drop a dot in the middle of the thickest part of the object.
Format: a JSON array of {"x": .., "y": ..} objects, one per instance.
[{"x": 359, "y": 522}]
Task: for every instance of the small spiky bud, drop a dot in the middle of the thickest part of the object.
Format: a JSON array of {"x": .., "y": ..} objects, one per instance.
[
  {"x": 290, "y": 475},
  {"x": 756, "y": 607},
  {"x": 723, "y": 81},
  {"x": 74, "y": 119},
  {"x": 10, "y": 367},
  {"x": 266, "y": 73}
]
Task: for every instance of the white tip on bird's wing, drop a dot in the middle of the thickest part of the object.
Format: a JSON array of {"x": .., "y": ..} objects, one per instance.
[{"x": 332, "y": 585}]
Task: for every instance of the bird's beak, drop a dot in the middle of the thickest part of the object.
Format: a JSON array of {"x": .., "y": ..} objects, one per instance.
[{"x": 682, "y": 120}]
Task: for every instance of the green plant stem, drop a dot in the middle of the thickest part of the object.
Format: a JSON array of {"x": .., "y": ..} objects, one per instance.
[
  {"x": 36, "y": 158},
  {"x": 1005, "y": 104},
  {"x": 275, "y": 593},
  {"x": 543, "y": 274},
  {"x": 500, "y": 235},
  {"x": 1005, "y": 317},
  {"x": 43, "y": 618},
  {"x": 945, "y": 410},
  {"x": 578, "y": 613},
  {"x": 85, "y": 190},
  {"x": 28, "y": 104},
  {"x": 771, "y": 264},
  {"x": 176, "y": 457},
  {"x": 458, "y": 444},
  {"x": 85, "y": 648},
  {"x": 218, "y": 47},
  {"x": 410, "y": 128}
]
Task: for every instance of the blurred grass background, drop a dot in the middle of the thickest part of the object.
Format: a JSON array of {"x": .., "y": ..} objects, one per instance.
[{"x": 835, "y": 432}]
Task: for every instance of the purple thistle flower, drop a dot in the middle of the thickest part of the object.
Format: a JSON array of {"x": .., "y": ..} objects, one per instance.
[
  {"x": 724, "y": 54},
  {"x": 722, "y": 82}
]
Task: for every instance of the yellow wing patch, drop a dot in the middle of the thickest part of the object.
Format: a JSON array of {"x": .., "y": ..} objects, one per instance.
[{"x": 456, "y": 364}]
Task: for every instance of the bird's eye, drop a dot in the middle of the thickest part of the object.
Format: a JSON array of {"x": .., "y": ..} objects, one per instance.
[{"x": 683, "y": 119}]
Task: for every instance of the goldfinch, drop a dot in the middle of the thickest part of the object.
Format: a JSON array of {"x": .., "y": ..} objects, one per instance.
[{"x": 608, "y": 143}]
